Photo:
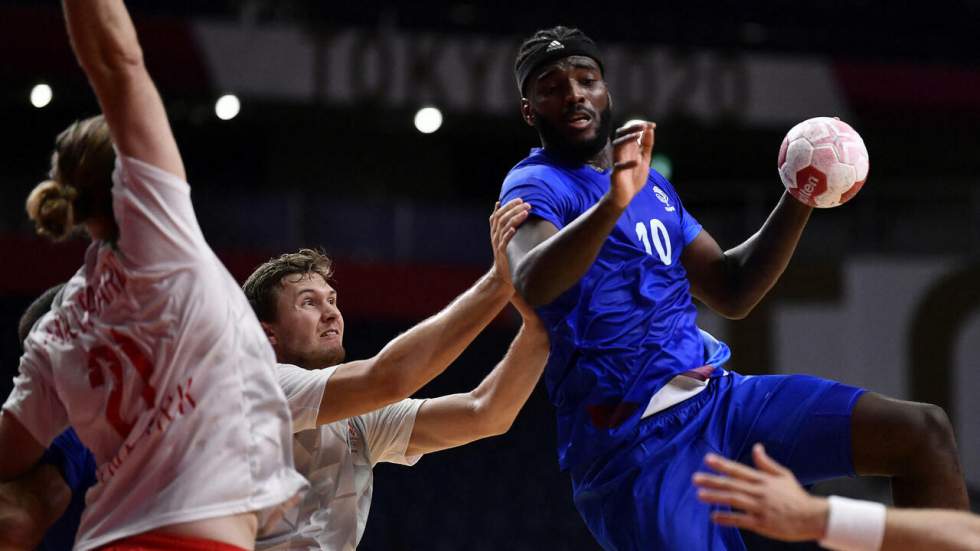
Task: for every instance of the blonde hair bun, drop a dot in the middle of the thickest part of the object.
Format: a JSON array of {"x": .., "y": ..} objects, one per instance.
[{"x": 51, "y": 206}]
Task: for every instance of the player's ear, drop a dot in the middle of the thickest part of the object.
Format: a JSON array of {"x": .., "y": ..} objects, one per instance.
[
  {"x": 269, "y": 332},
  {"x": 526, "y": 112}
]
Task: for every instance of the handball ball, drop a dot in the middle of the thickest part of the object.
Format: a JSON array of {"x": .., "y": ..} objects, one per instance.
[{"x": 823, "y": 162}]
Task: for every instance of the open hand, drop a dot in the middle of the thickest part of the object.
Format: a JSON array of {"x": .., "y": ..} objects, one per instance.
[
  {"x": 503, "y": 225},
  {"x": 632, "y": 147},
  {"x": 768, "y": 501}
]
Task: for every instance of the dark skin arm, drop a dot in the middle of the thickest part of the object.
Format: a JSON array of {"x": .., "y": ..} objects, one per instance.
[
  {"x": 732, "y": 282},
  {"x": 547, "y": 262},
  {"x": 31, "y": 498},
  {"x": 29, "y": 505}
]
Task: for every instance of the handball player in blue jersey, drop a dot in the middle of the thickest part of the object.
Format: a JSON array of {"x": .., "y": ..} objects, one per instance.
[{"x": 612, "y": 260}]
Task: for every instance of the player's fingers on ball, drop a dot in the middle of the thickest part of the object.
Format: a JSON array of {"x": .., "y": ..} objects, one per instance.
[{"x": 731, "y": 468}]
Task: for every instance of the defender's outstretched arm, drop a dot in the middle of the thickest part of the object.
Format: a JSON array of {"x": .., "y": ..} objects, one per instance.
[
  {"x": 415, "y": 357},
  {"x": 490, "y": 408}
]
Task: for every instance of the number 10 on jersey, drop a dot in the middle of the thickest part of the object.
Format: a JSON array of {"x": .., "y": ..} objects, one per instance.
[{"x": 658, "y": 236}]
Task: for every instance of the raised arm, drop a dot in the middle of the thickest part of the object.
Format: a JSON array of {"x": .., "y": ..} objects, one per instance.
[
  {"x": 490, "y": 408},
  {"x": 732, "y": 282},
  {"x": 415, "y": 357},
  {"x": 105, "y": 44},
  {"x": 547, "y": 262}
]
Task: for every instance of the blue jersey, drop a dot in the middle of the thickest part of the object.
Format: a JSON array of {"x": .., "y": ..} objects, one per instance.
[{"x": 628, "y": 326}]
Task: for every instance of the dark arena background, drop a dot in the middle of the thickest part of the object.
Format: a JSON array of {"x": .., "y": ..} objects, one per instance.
[{"x": 884, "y": 292}]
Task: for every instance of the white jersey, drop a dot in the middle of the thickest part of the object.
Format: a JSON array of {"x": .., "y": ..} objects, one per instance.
[
  {"x": 337, "y": 458},
  {"x": 156, "y": 359}
]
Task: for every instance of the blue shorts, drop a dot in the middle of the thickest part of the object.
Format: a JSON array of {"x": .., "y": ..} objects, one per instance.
[{"x": 640, "y": 496}]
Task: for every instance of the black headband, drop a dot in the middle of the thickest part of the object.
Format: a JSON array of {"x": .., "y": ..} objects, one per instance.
[{"x": 553, "y": 51}]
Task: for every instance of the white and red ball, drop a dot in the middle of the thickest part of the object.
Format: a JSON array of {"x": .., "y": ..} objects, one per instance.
[{"x": 823, "y": 162}]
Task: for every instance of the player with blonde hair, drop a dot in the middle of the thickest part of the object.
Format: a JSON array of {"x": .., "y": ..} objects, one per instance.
[{"x": 154, "y": 356}]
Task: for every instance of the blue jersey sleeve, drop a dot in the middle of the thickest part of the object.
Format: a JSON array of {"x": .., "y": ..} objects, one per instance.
[
  {"x": 690, "y": 227},
  {"x": 545, "y": 197}
]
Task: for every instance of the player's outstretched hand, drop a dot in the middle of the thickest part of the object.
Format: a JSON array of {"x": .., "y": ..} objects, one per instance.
[
  {"x": 767, "y": 500},
  {"x": 503, "y": 225},
  {"x": 632, "y": 147}
]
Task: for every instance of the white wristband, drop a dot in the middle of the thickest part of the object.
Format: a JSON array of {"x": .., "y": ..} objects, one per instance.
[{"x": 854, "y": 525}]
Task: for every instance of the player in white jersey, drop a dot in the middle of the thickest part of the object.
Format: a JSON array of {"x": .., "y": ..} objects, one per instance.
[
  {"x": 769, "y": 500},
  {"x": 341, "y": 432},
  {"x": 153, "y": 356}
]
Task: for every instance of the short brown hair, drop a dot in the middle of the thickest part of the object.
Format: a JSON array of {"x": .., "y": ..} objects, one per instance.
[
  {"x": 262, "y": 287},
  {"x": 80, "y": 187},
  {"x": 36, "y": 311}
]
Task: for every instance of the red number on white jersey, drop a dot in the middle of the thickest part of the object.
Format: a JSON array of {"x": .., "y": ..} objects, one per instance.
[{"x": 105, "y": 355}]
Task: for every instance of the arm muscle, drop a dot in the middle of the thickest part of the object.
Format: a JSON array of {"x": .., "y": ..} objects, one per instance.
[{"x": 105, "y": 44}]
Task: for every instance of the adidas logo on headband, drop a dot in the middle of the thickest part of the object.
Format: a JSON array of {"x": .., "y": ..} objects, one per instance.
[{"x": 551, "y": 51}]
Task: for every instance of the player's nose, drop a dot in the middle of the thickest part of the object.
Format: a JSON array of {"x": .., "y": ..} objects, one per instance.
[
  {"x": 329, "y": 312},
  {"x": 574, "y": 92}
]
